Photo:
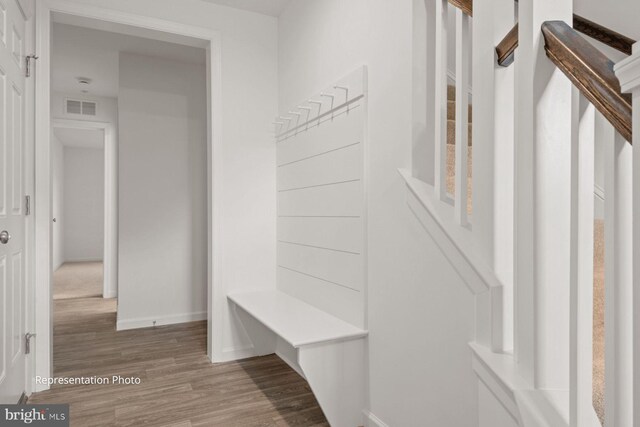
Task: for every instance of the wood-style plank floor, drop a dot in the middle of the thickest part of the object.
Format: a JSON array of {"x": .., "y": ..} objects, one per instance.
[{"x": 179, "y": 386}]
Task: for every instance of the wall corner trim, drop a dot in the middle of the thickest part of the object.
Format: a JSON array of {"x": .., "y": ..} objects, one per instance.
[{"x": 370, "y": 420}]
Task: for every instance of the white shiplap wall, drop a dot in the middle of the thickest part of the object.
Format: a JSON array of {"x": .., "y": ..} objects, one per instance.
[{"x": 321, "y": 206}]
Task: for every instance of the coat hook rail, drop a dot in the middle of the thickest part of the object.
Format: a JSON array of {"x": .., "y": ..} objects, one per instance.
[{"x": 324, "y": 105}]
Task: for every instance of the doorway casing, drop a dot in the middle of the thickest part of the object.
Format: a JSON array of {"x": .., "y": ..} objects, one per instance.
[
  {"x": 196, "y": 36},
  {"x": 110, "y": 251}
]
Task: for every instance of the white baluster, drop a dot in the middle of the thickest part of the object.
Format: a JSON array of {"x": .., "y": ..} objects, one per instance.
[
  {"x": 582, "y": 413},
  {"x": 618, "y": 282},
  {"x": 543, "y": 202},
  {"x": 440, "y": 99},
  {"x": 493, "y": 152},
  {"x": 462, "y": 114}
]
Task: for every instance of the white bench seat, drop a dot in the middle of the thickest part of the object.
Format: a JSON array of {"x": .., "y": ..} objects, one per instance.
[
  {"x": 295, "y": 321},
  {"x": 328, "y": 352}
]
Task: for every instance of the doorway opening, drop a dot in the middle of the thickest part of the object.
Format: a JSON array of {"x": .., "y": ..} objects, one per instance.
[
  {"x": 158, "y": 148},
  {"x": 79, "y": 211}
]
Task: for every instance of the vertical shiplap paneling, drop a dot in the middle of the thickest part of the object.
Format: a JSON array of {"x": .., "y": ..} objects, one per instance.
[{"x": 321, "y": 209}]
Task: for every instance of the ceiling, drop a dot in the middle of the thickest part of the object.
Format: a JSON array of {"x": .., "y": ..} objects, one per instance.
[
  {"x": 84, "y": 52},
  {"x": 265, "y": 7},
  {"x": 80, "y": 138}
]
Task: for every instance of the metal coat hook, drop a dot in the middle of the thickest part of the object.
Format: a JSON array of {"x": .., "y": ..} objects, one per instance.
[
  {"x": 307, "y": 109},
  {"x": 297, "y": 119},
  {"x": 346, "y": 94},
  {"x": 329, "y": 95},
  {"x": 346, "y": 91},
  {"x": 332, "y": 96},
  {"x": 287, "y": 119},
  {"x": 318, "y": 103},
  {"x": 296, "y": 114}
]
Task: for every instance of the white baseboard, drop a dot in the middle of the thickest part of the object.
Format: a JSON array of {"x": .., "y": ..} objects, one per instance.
[
  {"x": 83, "y": 260},
  {"x": 231, "y": 354},
  {"x": 110, "y": 294},
  {"x": 146, "y": 322},
  {"x": 371, "y": 420}
]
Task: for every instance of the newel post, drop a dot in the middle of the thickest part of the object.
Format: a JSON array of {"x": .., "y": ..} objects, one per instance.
[
  {"x": 493, "y": 134},
  {"x": 542, "y": 202},
  {"x": 628, "y": 72}
]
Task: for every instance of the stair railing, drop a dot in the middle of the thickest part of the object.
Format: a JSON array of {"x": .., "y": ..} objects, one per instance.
[
  {"x": 535, "y": 127},
  {"x": 596, "y": 87},
  {"x": 628, "y": 71},
  {"x": 475, "y": 208},
  {"x": 561, "y": 120},
  {"x": 507, "y": 46}
]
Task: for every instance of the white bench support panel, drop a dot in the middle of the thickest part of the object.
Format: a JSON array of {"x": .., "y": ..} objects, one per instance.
[
  {"x": 336, "y": 373},
  {"x": 330, "y": 351}
]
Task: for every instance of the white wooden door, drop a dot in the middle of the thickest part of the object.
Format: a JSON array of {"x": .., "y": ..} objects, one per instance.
[{"x": 12, "y": 207}]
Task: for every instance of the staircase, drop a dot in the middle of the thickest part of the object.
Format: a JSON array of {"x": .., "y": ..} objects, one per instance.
[
  {"x": 533, "y": 253},
  {"x": 598, "y": 319},
  {"x": 598, "y": 255}
]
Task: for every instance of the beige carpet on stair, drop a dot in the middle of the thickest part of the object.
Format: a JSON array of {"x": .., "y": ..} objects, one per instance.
[
  {"x": 598, "y": 319},
  {"x": 78, "y": 280},
  {"x": 451, "y": 149},
  {"x": 598, "y": 264}
]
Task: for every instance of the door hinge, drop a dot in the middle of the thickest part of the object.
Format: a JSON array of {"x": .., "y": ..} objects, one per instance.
[
  {"x": 28, "y": 59},
  {"x": 27, "y": 205},
  {"x": 27, "y": 342}
]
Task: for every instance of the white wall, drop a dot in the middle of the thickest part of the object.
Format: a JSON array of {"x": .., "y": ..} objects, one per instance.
[
  {"x": 94, "y": 53},
  {"x": 83, "y": 204},
  {"x": 58, "y": 201},
  {"x": 420, "y": 315},
  {"x": 162, "y": 195},
  {"x": 619, "y": 15},
  {"x": 249, "y": 103}
]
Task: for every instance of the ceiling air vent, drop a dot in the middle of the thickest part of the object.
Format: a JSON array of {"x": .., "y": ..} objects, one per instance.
[
  {"x": 85, "y": 108},
  {"x": 89, "y": 108},
  {"x": 74, "y": 107}
]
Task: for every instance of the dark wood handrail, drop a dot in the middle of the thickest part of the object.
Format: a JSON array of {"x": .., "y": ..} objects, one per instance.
[
  {"x": 465, "y": 5},
  {"x": 508, "y": 45},
  {"x": 591, "y": 71},
  {"x": 603, "y": 34}
]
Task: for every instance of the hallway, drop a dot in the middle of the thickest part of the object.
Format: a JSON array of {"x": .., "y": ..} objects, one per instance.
[
  {"x": 179, "y": 386},
  {"x": 78, "y": 280}
]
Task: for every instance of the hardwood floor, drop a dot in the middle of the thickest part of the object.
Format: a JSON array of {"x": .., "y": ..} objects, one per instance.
[{"x": 179, "y": 386}]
